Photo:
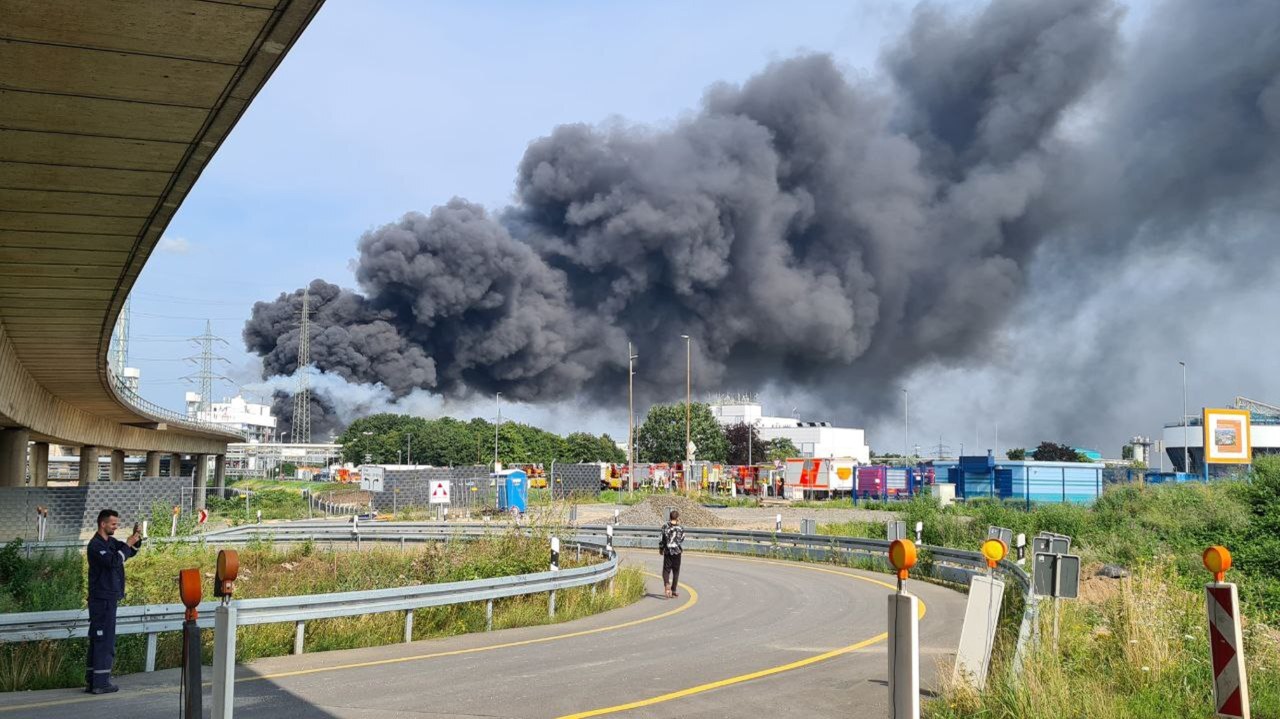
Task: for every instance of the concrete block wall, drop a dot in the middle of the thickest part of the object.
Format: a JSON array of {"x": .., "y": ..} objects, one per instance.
[
  {"x": 73, "y": 510},
  {"x": 470, "y": 485},
  {"x": 414, "y": 487},
  {"x": 576, "y": 479}
]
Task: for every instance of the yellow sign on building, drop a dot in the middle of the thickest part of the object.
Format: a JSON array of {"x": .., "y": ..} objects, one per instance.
[{"x": 1226, "y": 436}]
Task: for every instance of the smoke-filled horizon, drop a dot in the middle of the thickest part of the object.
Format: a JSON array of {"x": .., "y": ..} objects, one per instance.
[{"x": 827, "y": 232}]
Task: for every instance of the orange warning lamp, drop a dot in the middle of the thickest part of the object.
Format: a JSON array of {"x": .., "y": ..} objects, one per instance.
[
  {"x": 902, "y": 555},
  {"x": 1217, "y": 559},
  {"x": 177, "y": 510},
  {"x": 994, "y": 550},
  {"x": 224, "y": 579},
  {"x": 189, "y": 590}
]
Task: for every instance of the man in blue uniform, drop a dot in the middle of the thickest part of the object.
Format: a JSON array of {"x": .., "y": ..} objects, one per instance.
[{"x": 107, "y": 556}]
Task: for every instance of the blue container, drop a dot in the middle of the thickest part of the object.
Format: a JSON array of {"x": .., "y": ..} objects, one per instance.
[{"x": 513, "y": 490}]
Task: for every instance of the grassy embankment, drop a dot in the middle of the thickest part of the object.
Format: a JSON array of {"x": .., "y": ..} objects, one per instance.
[
  {"x": 1136, "y": 647},
  {"x": 59, "y": 583}
]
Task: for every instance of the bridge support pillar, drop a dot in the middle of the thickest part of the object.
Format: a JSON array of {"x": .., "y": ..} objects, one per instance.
[
  {"x": 117, "y": 465},
  {"x": 220, "y": 474},
  {"x": 175, "y": 465},
  {"x": 88, "y": 465},
  {"x": 39, "y": 464},
  {"x": 153, "y": 465},
  {"x": 13, "y": 457},
  {"x": 202, "y": 480}
]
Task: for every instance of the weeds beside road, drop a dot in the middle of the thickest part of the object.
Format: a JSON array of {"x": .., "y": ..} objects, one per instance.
[
  {"x": 1137, "y": 647},
  {"x": 267, "y": 571}
]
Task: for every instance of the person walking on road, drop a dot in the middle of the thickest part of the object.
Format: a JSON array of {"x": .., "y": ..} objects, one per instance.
[
  {"x": 107, "y": 556},
  {"x": 671, "y": 546}
]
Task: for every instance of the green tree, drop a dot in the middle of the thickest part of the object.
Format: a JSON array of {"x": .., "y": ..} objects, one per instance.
[
  {"x": 745, "y": 445},
  {"x": 1017, "y": 455},
  {"x": 781, "y": 448},
  {"x": 661, "y": 438},
  {"x": 1053, "y": 452},
  {"x": 585, "y": 447}
]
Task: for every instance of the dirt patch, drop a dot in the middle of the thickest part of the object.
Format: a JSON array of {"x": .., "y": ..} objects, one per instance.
[
  {"x": 1095, "y": 589},
  {"x": 652, "y": 512}
]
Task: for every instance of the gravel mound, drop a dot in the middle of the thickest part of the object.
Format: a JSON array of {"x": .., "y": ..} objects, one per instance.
[{"x": 652, "y": 512}]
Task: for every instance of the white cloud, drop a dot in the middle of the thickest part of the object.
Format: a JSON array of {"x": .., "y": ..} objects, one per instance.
[{"x": 174, "y": 245}]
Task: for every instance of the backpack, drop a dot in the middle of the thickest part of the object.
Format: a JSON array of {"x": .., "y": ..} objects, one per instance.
[{"x": 672, "y": 538}]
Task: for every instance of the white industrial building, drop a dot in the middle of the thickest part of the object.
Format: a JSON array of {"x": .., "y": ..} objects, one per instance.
[
  {"x": 255, "y": 421},
  {"x": 813, "y": 439}
]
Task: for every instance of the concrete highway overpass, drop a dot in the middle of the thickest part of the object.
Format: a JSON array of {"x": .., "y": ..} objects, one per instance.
[{"x": 109, "y": 111}]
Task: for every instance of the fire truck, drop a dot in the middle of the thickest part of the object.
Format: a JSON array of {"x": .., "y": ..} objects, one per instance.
[{"x": 820, "y": 478}]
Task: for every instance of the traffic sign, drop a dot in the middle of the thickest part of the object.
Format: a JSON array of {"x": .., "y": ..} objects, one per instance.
[
  {"x": 1226, "y": 642},
  {"x": 1002, "y": 533},
  {"x": 203, "y": 516},
  {"x": 440, "y": 489},
  {"x": 1056, "y": 575},
  {"x": 1226, "y": 649},
  {"x": 895, "y": 529}
]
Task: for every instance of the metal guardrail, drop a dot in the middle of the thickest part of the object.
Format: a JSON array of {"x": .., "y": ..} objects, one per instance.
[
  {"x": 144, "y": 406},
  {"x": 154, "y": 618},
  {"x": 955, "y": 565}
]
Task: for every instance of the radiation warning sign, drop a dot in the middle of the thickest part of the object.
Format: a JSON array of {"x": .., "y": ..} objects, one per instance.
[{"x": 439, "y": 491}]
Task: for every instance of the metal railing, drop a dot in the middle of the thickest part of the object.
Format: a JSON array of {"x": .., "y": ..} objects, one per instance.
[
  {"x": 152, "y": 619},
  {"x": 144, "y": 406},
  {"x": 945, "y": 563}
]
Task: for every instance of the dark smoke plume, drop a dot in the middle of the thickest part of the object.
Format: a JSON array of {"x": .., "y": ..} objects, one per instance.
[{"x": 810, "y": 230}]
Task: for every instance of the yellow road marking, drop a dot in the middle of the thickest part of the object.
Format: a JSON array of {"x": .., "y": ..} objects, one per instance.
[
  {"x": 699, "y": 689},
  {"x": 693, "y": 599}
]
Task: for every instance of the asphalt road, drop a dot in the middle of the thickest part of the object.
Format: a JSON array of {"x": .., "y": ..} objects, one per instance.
[{"x": 746, "y": 637}]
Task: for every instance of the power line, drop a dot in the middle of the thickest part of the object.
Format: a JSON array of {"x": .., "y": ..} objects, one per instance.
[{"x": 204, "y": 361}]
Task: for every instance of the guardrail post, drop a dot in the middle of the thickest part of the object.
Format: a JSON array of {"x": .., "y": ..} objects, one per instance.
[
  {"x": 150, "y": 665},
  {"x": 408, "y": 626},
  {"x": 299, "y": 632},
  {"x": 488, "y": 616},
  {"x": 555, "y": 567},
  {"x": 224, "y": 661}
]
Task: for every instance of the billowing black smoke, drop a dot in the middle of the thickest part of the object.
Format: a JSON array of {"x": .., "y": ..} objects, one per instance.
[{"x": 812, "y": 230}]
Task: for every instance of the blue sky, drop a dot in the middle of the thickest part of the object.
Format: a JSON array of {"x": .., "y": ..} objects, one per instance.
[{"x": 386, "y": 107}]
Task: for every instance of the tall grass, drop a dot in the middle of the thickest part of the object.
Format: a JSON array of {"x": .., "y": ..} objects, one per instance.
[
  {"x": 267, "y": 570},
  {"x": 1137, "y": 651}
]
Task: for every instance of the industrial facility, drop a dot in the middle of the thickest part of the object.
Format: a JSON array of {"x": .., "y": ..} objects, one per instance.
[
  {"x": 813, "y": 439},
  {"x": 1263, "y": 435}
]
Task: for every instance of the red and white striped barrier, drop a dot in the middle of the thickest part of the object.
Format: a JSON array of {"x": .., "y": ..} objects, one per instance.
[{"x": 1226, "y": 642}]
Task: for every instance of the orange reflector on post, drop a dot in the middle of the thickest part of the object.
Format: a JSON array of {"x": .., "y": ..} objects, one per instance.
[
  {"x": 189, "y": 590},
  {"x": 902, "y": 555},
  {"x": 225, "y": 577},
  {"x": 1217, "y": 559},
  {"x": 994, "y": 550}
]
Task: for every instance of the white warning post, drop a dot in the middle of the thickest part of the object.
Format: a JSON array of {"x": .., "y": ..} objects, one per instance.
[
  {"x": 439, "y": 491},
  {"x": 1226, "y": 643},
  {"x": 904, "y": 637}
]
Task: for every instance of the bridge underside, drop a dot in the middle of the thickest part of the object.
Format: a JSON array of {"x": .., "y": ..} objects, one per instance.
[{"x": 109, "y": 111}]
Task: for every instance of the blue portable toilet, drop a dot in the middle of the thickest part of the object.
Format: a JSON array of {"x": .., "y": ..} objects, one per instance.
[{"x": 513, "y": 490}]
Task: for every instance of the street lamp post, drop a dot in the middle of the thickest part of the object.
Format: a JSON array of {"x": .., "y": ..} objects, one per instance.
[
  {"x": 688, "y": 401},
  {"x": 1186, "y": 432},
  {"x": 631, "y": 419},
  {"x": 368, "y": 456},
  {"x": 497, "y": 397},
  {"x": 906, "y": 425}
]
